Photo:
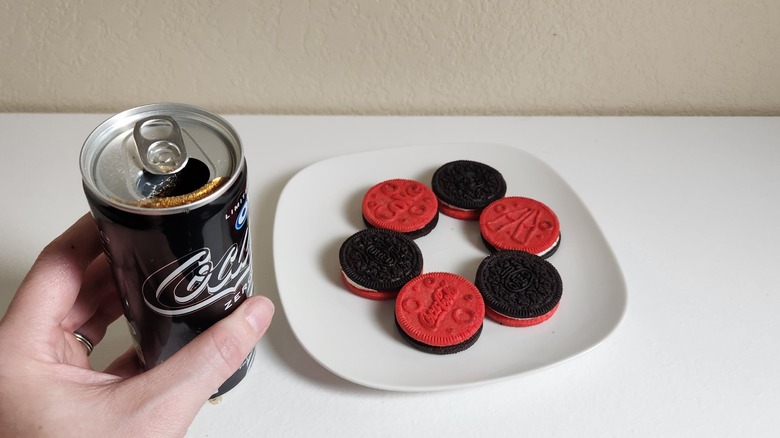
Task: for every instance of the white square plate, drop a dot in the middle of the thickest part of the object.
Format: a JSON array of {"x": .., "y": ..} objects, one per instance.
[{"x": 356, "y": 338}]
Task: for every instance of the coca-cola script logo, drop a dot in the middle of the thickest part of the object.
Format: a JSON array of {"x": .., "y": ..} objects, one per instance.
[{"x": 194, "y": 281}]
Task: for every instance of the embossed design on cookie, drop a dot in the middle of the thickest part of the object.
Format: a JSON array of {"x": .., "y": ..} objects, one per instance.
[
  {"x": 440, "y": 309},
  {"x": 402, "y": 205},
  {"x": 394, "y": 199},
  {"x": 444, "y": 297},
  {"x": 379, "y": 257},
  {"x": 520, "y": 225},
  {"x": 519, "y": 286},
  {"x": 379, "y": 260},
  {"x": 472, "y": 182},
  {"x": 465, "y": 187},
  {"x": 517, "y": 223}
]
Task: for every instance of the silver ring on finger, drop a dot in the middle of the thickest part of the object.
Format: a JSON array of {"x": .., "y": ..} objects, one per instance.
[{"x": 84, "y": 341}]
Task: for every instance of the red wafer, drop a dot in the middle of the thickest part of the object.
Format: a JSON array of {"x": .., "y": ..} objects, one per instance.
[
  {"x": 518, "y": 223},
  {"x": 440, "y": 312},
  {"x": 518, "y": 322},
  {"x": 459, "y": 213},
  {"x": 402, "y": 205}
]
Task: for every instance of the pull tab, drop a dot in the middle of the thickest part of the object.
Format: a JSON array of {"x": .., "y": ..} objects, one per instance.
[{"x": 160, "y": 145}]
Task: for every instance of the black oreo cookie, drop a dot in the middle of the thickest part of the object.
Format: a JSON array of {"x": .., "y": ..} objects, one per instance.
[
  {"x": 466, "y": 187},
  {"x": 520, "y": 289},
  {"x": 376, "y": 263}
]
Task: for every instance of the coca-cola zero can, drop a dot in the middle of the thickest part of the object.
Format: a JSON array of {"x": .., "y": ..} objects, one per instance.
[{"x": 166, "y": 184}]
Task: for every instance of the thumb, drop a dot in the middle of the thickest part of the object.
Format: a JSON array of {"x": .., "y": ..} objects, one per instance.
[{"x": 189, "y": 377}]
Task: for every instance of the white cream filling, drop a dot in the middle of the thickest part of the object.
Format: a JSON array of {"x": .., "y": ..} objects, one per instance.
[
  {"x": 541, "y": 254},
  {"x": 452, "y": 207},
  {"x": 357, "y": 286}
]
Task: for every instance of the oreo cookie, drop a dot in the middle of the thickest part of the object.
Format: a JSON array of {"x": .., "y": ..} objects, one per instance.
[
  {"x": 402, "y": 205},
  {"x": 440, "y": 313},
  {"x": 520, "y": 289},
  {"x": 518, "y": 223},
  {"x": 377, "y": 263},
  {"x": 465, "y": 187},
  {"x": 456, "y": 348}
]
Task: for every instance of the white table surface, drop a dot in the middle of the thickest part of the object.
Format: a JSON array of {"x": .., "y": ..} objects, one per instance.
[{"x": 690, "y": 207}]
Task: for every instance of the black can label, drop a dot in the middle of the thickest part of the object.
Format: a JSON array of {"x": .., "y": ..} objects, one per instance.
[{"x": 201, "y": 278}]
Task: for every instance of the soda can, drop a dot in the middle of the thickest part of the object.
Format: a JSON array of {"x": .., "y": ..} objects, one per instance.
[{"x": 166, "y": 184}]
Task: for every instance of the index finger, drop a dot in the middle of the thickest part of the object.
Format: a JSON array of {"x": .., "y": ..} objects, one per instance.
[{"x": 49, "y": 290}]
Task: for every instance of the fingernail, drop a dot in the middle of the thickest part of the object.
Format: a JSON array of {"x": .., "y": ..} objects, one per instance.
[{"x": 258, "y": 313}]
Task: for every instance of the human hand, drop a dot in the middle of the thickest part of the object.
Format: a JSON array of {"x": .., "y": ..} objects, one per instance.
[{"x": 47, "y": 387}]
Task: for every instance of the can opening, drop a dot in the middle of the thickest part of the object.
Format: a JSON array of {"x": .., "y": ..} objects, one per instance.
[{"x": 192, "y": 177}]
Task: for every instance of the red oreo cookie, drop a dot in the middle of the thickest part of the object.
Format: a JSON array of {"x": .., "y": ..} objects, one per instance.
[
  {"x": 517, "y": 223},
  {"x": 440, "y": 313},
  {"x": 402, "y": 205}
]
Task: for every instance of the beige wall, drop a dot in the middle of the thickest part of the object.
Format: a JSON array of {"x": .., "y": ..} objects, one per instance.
[{"x": 394, "y": 56}]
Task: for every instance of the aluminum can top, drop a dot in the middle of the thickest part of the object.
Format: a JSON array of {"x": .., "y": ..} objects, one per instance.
[{"x": 161, "y": 159}]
